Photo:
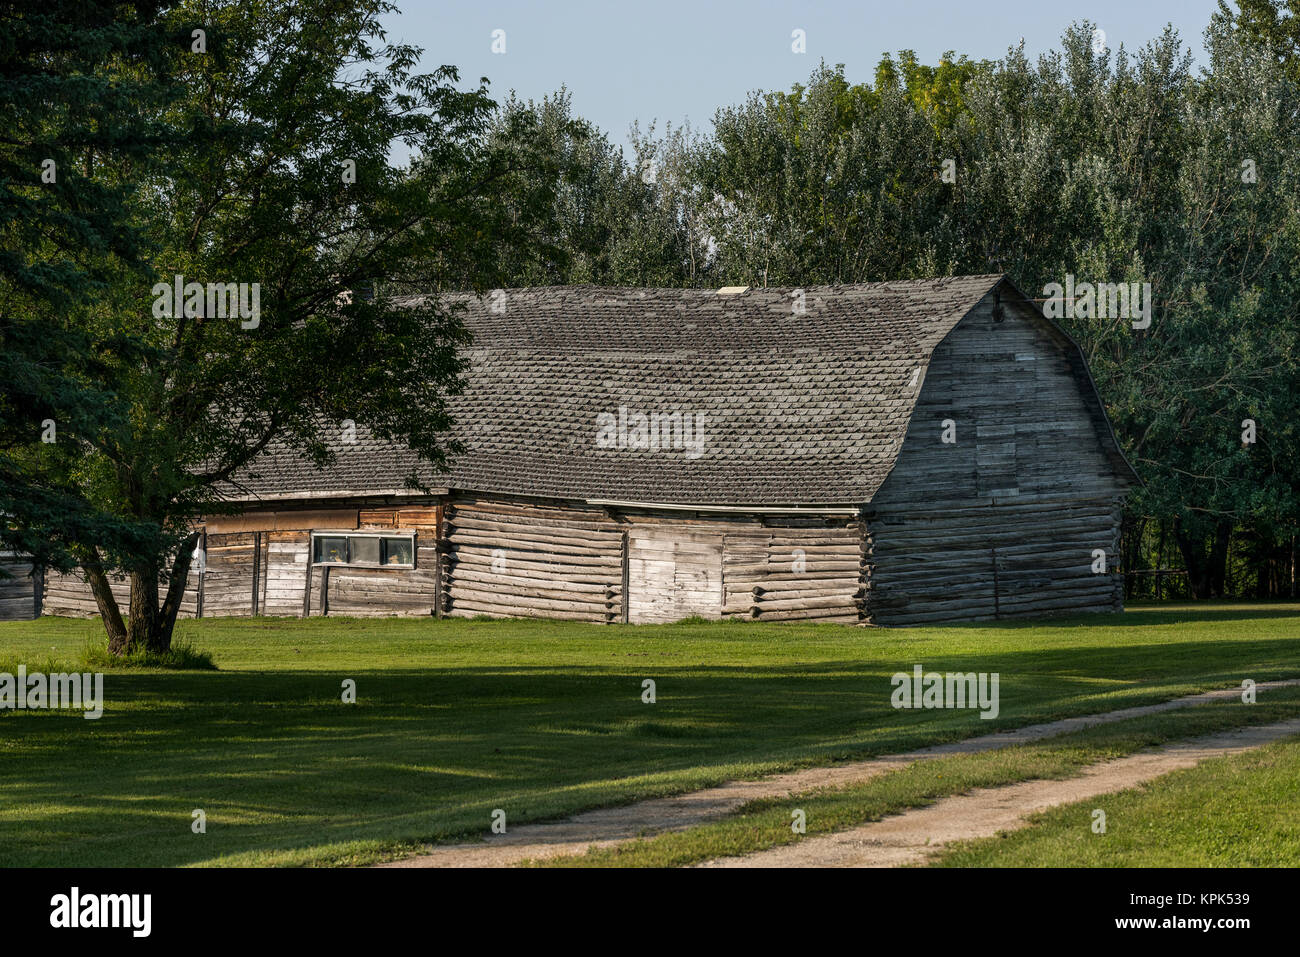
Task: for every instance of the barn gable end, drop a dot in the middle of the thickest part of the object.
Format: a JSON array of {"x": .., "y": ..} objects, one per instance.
[{"x": 1009, "y": 482}]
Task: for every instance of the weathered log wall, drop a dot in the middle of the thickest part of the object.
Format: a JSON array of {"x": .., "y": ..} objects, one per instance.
[
  {"x": 259, "y": 563},
  {"x": 792, "y": 569},
  {"x": 584, "y": 563},
  {"x": 1003, "y": 522},
  {"x": 20, "y": 595},
  {"x": 509, "y": 559},
  {"x": 991, "y": 562},
  {"x": 372, "y": 592},
  {"x": 769, "y": 568},
  {"x": 1021, "y": 415},
  {"x": 69, "y": 595}
]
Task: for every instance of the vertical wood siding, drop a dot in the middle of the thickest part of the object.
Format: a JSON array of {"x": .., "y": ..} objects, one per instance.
[{"x": 1003, "y": 523}]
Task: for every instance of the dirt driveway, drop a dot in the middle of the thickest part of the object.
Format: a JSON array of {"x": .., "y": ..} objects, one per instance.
[
  {"x": 914, "y": 836},
  {"x": 607, "y": 826}
]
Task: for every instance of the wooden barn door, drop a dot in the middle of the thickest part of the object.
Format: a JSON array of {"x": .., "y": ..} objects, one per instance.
[{"x": 674, "y": 572}]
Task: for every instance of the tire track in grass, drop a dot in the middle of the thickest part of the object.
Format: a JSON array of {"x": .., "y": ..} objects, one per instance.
[
  {"x": 913, "y": 836},
  {"x": 606, "y": 827}
]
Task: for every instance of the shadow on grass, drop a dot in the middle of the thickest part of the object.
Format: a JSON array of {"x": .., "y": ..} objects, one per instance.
[{"x": 1140, "y": 615}]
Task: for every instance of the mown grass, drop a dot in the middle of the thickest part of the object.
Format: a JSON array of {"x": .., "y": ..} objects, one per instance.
[
  {"x": 541, "y": 719},
  {"x": 766, "y": 823},
  {"x": 181, "y": 656}
]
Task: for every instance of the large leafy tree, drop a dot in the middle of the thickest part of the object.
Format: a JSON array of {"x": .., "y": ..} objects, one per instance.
[
  {"x": 602, "y": 217},
  {"x": 1130, "y": 167},
  {"x": 1275, "y": 22},
  {"x": 80, "y": 88},
  {"x": 276, "y": 182}
]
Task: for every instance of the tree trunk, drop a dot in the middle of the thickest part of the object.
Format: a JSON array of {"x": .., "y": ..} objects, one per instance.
[
  {"x": 1219, "y": 559},
  {"x": 150, "y": 626},
  {"x": 180, "y": 573},
  {"x": 142, "y": 617},
  {"x": 1206, "y": 567},
  {"x": 1160, "y": 560},
  {"x": 109, "y": 613}
]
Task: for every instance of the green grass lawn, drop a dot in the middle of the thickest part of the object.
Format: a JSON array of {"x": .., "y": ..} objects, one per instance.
[{"x": 457, "y": 718}]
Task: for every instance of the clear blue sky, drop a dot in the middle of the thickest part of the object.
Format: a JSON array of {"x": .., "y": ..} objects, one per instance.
[{"x": 676, "y": 60}]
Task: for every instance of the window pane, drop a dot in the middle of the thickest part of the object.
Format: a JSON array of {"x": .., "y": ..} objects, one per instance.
[
  {"x": 364, "y": 551},
  {"x": 330, "y": 548},
  {"x": 398, "y": 551}
]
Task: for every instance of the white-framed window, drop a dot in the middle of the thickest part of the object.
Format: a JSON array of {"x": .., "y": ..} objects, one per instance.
[{"x": 376, "y": 549}]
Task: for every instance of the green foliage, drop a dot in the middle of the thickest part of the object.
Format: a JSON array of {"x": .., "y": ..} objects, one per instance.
[
  {"x": 79, "y": 88},
  {"x": 601, "y": 218},
  {"x": 1274, "y": 22},
  {"x": 938, "y": 92}
]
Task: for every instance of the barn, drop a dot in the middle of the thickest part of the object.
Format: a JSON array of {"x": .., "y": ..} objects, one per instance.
[{"x": 889, "y": 453}]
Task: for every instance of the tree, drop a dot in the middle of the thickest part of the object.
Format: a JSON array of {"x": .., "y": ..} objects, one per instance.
[
  {"x": 1274, "y": 22},
  {"x": 1106, "y": 165},
  {"x": 276, "y": 214},
  {"x": 606, "y": 220},
  {"x": 79, "y": 88}
]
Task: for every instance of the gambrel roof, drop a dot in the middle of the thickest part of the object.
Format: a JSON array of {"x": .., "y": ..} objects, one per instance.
[{"x": 800, "y": 406}]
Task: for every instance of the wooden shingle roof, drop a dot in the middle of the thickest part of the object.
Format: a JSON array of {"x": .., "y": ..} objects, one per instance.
[{"x": 797, "y": 408}]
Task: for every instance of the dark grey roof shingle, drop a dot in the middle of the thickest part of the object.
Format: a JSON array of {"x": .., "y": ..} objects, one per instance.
[{"x": 804, "y": 409}]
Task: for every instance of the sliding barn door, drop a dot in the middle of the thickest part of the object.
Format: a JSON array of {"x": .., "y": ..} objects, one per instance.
[{"x": 674, "y": 572}]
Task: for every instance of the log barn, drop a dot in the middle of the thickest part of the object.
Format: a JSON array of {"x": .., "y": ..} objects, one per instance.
[{"x": 889, "y": 453}]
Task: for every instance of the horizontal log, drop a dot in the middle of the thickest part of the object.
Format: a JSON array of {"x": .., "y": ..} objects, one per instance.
[
  {"x": 821, "y": 601},
  {"x": 482, "y": 555},
  {"x": 560, "y": 518},
  {"x": 881, "y": 600},
  {"x": 466, "y": 587},
  {"x": 841, "y": 616},
  {"x": 468, "y": 608},
  {"x": 610, "y": 536},
  {"x": 1045, "y": 530},
  {"x": 462, "y": 537},
  {"x": 601, "y": 570},
  {"x": 751, "y": 586},
  {"x": 459, "y": 591},
  {"x": 816, "y": 550},
  {"x": 473, "y": 573},
  {"x": 969, "y": 575},
  {"x": 846, "y": 593}
]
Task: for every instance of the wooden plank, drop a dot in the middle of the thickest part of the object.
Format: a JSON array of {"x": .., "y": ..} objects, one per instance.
[{"x": 281, "y": 520}]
